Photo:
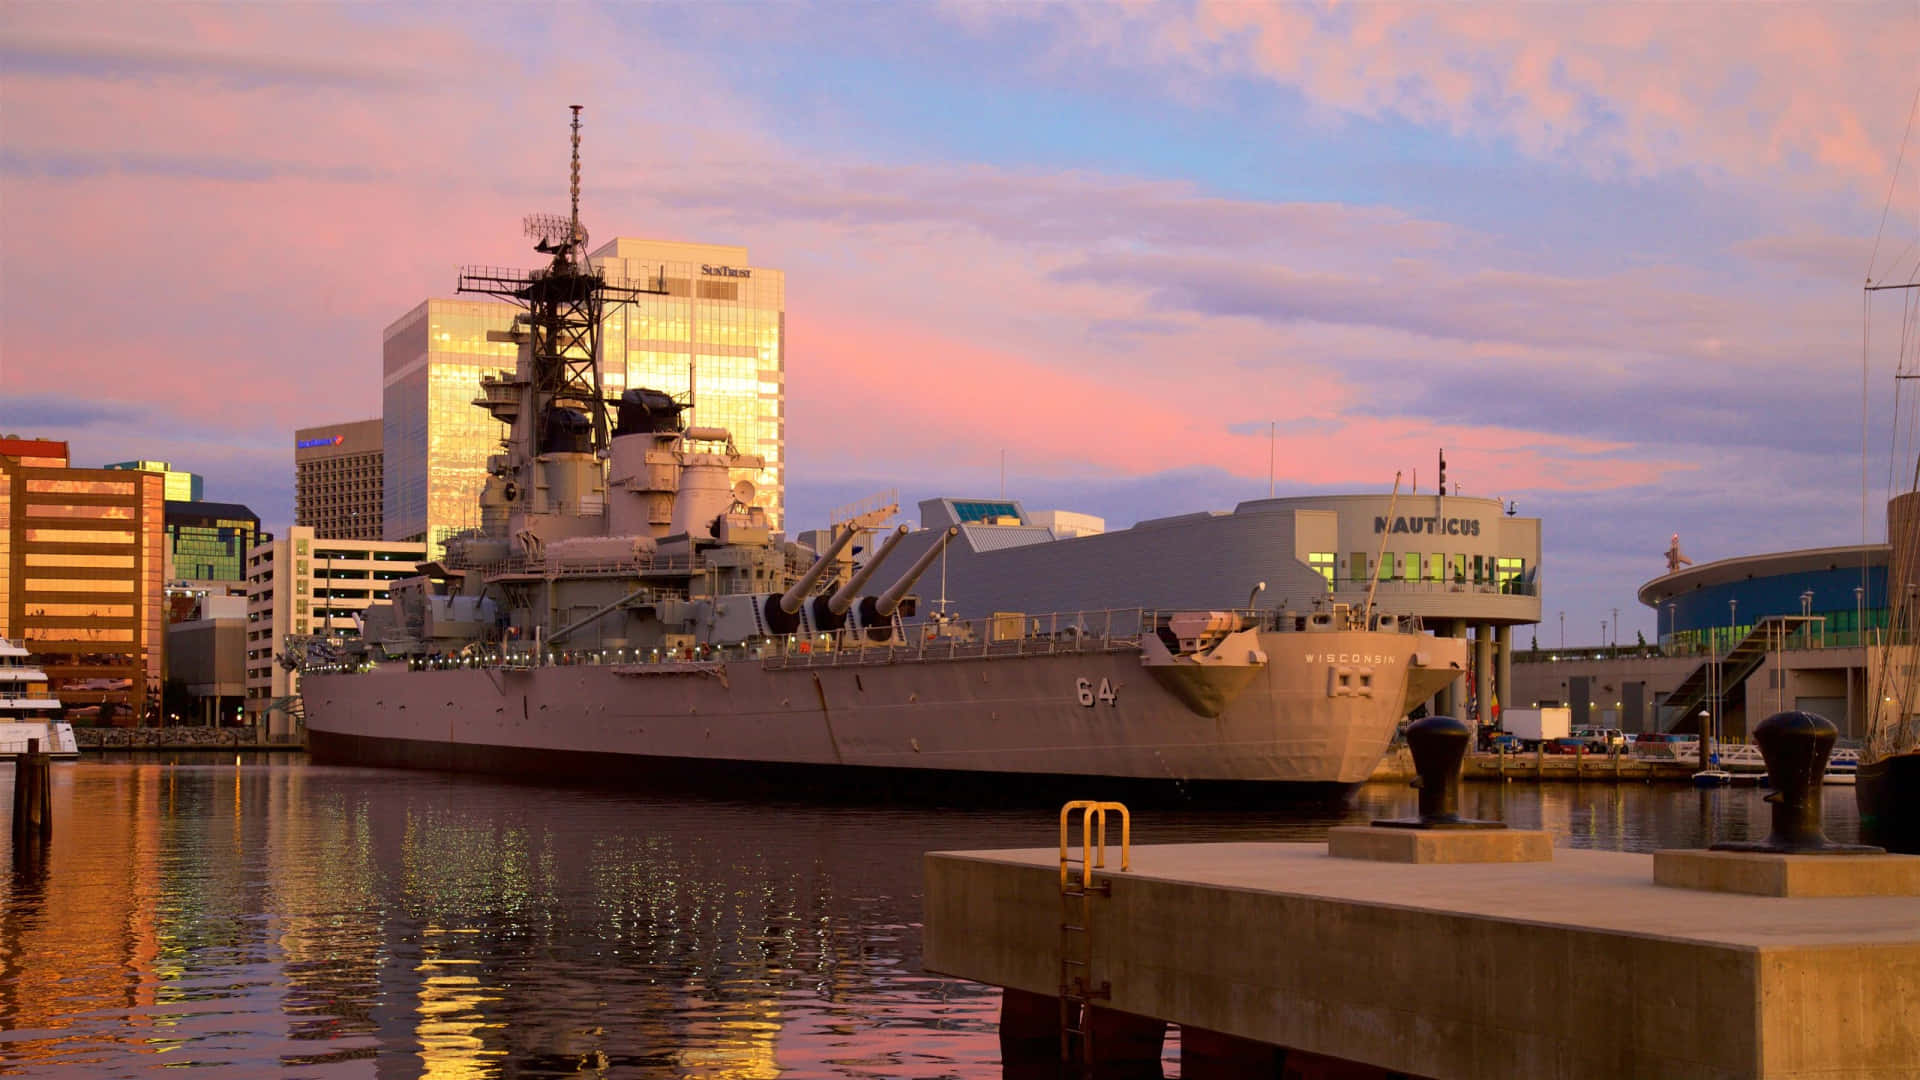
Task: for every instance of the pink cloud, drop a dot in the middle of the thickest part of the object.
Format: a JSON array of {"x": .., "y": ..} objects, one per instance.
[
  {"x": 1817, "y": 91},
  {"x": 249, "y": 213}
]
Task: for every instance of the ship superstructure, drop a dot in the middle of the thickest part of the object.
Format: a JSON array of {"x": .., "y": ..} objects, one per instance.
[
  {"x": 28, "y": 709},
  {"x": 624, "y": 609}
]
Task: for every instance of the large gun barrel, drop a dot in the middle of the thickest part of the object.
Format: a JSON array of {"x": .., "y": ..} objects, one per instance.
[
  {"x": 843, "y": 597},
  {"x": 888, "y": 602},
  {"x": 791, "y": 600}
]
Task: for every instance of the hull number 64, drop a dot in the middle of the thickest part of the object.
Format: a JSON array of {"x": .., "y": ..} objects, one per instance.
[{"x": 1089, "y": 694}]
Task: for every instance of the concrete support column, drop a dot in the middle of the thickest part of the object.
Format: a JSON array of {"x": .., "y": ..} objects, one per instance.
[
  {"x": 1454, "y": 701},
  {"x": 1211, "y": 1055},
  {"x": 1503, "y": 665},
  {"x": 1029, "y": 1028},
  {"x": 1482, "y": 676},
  {"x": 1121, "y": 1038}
]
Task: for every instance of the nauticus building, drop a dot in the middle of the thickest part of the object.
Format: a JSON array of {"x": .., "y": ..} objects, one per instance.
[{"x": 1465, "y": 566}]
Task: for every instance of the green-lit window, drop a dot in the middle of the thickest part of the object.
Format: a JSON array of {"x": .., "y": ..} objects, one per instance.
[
  {"x": 1436, "y": 567},
  {"x": 1357, "y": 566},
  {"x": 1459, "y": 566},
  {"x": 1322, "y": 564},
  {"x": 1410, "y": 566},
  {"x": 1509, "y": 569}
]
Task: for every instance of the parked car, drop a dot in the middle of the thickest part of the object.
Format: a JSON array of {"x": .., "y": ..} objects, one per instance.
[
  {"x": 1566, "y": 745},
  {"x": 1601, "y": 740},
  {"x": 1506, "y": 744}
]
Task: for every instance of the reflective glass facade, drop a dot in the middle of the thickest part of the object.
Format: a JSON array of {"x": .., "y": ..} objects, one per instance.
[
  {"x": 435, "y": 440},
  {"x": 720, "y": 332},
  {"x": 210, "y": 541},
  {"x": 181, "y": 486},
  {"x": 82, "y": 553}
]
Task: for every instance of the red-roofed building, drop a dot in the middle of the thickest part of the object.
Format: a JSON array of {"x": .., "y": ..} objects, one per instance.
[{"x": 43, "y": 453}]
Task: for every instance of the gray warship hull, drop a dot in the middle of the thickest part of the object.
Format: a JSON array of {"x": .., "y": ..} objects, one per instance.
[{"x": 1022, "y": 716}]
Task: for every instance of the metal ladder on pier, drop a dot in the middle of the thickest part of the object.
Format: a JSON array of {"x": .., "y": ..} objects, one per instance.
[{"x": 1077, "y": 891}]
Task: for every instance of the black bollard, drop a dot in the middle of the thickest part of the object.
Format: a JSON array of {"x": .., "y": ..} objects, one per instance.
[
  {"x": 1796, "y": 746},
  {"x": 1438, "y": 744}
]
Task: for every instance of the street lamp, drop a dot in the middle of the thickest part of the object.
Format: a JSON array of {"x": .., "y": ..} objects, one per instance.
[
  {"x": 1860, "y": 613},
  {"x": 1673, "y": 628},
  {"x": 1563, "y": 630}
]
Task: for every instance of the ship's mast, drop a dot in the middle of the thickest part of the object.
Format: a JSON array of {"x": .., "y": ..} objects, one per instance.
[{"x": 565, "y": 304}]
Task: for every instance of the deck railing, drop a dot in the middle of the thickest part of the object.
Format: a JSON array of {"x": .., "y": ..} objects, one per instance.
[{"x": 999, "y": 635}]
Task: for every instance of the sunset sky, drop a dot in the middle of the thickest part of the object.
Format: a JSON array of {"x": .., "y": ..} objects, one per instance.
[{"x": 1610, "y": 257}]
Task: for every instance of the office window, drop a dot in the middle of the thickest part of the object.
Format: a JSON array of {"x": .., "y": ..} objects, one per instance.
[{"x": 1322, "y": 563}]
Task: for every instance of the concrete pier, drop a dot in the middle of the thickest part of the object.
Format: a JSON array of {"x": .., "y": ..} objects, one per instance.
[{"x": 1580, "y": 967}]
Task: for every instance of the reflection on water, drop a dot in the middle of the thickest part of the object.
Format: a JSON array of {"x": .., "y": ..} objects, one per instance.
[{"x": 275, "y": 918}]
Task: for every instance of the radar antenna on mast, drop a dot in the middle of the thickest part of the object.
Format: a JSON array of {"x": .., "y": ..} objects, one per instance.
[
  {"x": 565, "y": 306},
  {"x": 557, "y": 235}
]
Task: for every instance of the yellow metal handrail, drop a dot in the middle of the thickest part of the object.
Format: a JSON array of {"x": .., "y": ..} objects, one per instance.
[{"x": 1094, "y": 810}]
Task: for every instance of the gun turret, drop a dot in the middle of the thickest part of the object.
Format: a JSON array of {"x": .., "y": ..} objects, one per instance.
[
  {"x": 843, "y": 597},
  {"x": 783, "y": 611},
  {"x": 830, "y": 612},
  {"x": 888, "y": 602}
]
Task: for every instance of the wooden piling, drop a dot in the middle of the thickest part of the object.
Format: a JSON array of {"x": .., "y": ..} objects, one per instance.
[{"x": 32, "y": 797}]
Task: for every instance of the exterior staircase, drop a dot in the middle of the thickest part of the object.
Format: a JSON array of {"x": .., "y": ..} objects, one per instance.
[{"x": 1746, "y": 656}]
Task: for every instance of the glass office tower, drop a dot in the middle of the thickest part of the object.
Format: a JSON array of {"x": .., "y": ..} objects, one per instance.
[
  {"x": 721, "y": 325},
  {"x": 720, "y": 332},
  {"x": 181, "y": 486},
  {"x": 435, "y": 440},
  {"x": 209, "y": 540}
]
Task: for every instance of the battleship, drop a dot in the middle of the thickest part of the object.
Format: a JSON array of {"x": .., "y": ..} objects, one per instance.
[{"x": 625, "y": 612}]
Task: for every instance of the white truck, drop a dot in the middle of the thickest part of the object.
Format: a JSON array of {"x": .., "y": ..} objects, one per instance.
[{"x": 1534, "y": 726}]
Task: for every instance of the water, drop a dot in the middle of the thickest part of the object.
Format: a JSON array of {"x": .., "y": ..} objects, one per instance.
[{"x": 270, "y": 918}]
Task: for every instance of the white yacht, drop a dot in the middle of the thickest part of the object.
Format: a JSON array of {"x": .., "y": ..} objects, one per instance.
[{"x": 28, "y": 710}]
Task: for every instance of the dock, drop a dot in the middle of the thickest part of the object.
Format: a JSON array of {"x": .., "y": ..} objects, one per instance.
[
  {"x": 1577, "y": 967},
  {"x": 1615, "y": 768}
]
